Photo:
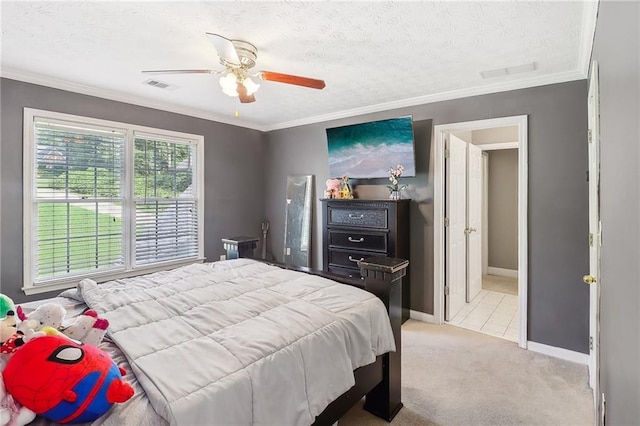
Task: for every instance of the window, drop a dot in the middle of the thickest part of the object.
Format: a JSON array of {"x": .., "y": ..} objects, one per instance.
[{"x": 106, "y": 200}]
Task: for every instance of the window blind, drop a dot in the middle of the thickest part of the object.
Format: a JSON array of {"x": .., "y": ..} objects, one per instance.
[
  {"x": 166, "y": 211},
  {"x": 78, "y": 199}
]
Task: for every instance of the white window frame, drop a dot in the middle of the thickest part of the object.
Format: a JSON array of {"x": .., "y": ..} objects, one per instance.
[{"x": 128, "y": 228}]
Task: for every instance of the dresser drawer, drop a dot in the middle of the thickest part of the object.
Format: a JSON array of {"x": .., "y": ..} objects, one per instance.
[
  {"x": 364, "y": 218},
  {"x": 346, "y": 272},
  {"x": 345, "y": 258},
  {"x": 376, "y": 241}
]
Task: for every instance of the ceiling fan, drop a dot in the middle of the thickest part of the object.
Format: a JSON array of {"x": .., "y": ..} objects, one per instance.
[{"x": 238, "y": 56}]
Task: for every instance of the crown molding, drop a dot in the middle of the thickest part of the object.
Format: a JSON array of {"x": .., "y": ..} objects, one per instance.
[
  {"x": 42, "y": 80},
  {"x": 589, "y": 20},
  {"x": 437, "y": 97},
  {"x": 193, "y": 112}
]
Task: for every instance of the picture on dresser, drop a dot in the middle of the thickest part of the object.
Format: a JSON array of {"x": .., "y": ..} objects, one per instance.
[{"x": 365, "y": 150}]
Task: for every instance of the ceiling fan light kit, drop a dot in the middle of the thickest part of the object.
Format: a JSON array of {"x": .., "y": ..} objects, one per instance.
[
  {"x": 252, "y": 87},
  {"x": 229, "y": 83},
  {"x": 238, "y": 56}
]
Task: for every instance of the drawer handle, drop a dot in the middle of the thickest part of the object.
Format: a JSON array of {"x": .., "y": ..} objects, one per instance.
[
  {"x": 356, "y": 216},
  {"x": 355, "y": 260},
  {"x": 353, "y": 240}
]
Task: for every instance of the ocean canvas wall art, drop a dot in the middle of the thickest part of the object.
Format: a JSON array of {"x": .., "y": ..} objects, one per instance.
[{"x": 369, "y": 150}]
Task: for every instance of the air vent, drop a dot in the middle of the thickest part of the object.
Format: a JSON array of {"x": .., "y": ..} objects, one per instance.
[
  {"x": 501, "y": 72},
  {"x": 158, "y": 84}
]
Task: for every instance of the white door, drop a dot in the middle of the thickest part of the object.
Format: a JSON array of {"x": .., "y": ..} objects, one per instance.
[
  {"x": 594, "y": 231},
  {"x": 474, "y": 221},
  {"x": 456, "y": 212}
]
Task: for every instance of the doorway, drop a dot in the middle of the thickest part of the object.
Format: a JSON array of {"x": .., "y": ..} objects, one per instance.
[{"x": 475, "y": 286}]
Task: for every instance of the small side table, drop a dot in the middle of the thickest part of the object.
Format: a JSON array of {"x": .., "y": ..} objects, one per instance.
[{"x": 237, "y": 247}]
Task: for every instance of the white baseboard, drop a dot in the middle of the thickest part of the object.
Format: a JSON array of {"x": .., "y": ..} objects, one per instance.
[
  {"x": 501, "y": 272},
  {"x": 561, "y": 353},
  {"x": 421, "y": 316}
]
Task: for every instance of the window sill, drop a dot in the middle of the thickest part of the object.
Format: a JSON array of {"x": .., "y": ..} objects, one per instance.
[{"x": 72, "y": 282}]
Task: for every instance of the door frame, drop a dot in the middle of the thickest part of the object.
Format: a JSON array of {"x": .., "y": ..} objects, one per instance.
[
  {"x": 595, "y": 229},
  {"x": 438, "y": 212}
]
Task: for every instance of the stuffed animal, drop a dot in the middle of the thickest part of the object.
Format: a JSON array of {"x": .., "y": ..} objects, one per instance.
[
  {"x": 6, "y": 305},
  {"x": 8, "y": 326},
  {"x": 49, "y": 314},
  {"x": 87, "y": 328},
  {"x": 12, "y": 413},
  {"x": 333, "y": 187},
  {"x": 65, "y": 381},
  {"x": 11, "y": 337}
]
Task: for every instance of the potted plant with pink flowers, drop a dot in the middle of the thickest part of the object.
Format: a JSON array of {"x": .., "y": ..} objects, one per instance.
[{"x": 395, "y": 187}]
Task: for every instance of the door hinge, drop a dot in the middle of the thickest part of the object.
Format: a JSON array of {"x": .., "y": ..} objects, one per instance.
[
  {"x": 589, "y": 136},
  {"x": 590, "y": 343},
  {"x": 446, "y": 221},
  {"x": 446, "y": 153},
  {"x": 590, "y": 239},
  {"x": 446, "y": 291}
]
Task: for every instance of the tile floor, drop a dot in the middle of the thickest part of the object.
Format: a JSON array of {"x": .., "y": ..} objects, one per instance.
[{"x": 491, "y": 313}]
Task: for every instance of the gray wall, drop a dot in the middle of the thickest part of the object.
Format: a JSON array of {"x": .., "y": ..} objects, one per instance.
[
  {"x": 234, "y": 169},
  {"x": 503, "y": 209},
  {"x": 616, "y": 49},
  {"x": 558, "y": 197}
]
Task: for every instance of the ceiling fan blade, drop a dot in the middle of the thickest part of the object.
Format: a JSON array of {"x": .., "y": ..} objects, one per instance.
[
  {"x": 291, "y": 79},
  {"x": 181, "y": 72},
  {"x": 224, "y": 47},
  {"x": 242, "y": 95}
]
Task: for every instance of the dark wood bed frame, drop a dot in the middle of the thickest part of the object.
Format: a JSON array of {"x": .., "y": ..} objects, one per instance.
[{"x": 380, "y": 382}]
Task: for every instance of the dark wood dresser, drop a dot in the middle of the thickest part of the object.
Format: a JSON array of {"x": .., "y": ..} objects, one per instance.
[{"x": 357, "y": 229}]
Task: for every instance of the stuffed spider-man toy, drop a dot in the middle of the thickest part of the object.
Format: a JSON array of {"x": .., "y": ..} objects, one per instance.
[{"x": 65, "y": 381}]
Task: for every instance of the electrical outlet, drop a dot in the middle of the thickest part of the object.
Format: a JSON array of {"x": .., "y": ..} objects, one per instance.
[
  {"x": 223, "y": 257},
  {"x": 288, "y": 251}
]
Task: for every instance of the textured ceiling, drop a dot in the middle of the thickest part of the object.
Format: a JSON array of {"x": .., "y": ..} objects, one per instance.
[{"x": 369, "y": 53}]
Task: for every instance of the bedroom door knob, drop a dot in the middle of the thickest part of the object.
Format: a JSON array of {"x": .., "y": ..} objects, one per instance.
[{"x": 589, "y": 279}]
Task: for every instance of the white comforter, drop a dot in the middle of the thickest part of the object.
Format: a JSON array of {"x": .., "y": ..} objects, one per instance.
[{"x": 241, "y": 342}]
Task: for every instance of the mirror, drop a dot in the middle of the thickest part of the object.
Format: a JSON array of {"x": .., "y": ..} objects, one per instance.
[{"x": 297, "y": 225}]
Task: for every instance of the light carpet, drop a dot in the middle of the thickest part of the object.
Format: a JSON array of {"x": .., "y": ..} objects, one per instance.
[
  {"x": 500, "y": 284},
  {"x": 453, "y": 376}
]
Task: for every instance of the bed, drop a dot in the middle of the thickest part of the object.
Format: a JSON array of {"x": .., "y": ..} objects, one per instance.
[{"x": 247, "y": 342}]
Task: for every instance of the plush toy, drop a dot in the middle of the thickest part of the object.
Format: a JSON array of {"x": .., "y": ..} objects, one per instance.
[
  {"x": 333, "y": 187},
  {"x": 49, "y": 314},
  {"x": 11, "y": 337},
  {"x": 8, "y": 326},
  {"x": 6, "y": 305},
  {"x": 65, "y": 381},
  {"x": 87, "y": 328},
  {"x": 12, "y": 413}
]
